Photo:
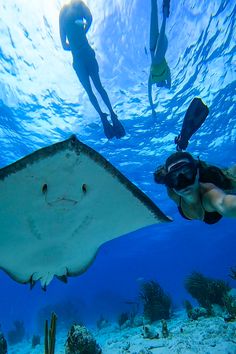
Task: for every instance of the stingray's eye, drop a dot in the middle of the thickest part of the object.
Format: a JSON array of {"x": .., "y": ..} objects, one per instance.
[
  {"x": 45, "y": 188},
  {"x": 84, "y": 188}
]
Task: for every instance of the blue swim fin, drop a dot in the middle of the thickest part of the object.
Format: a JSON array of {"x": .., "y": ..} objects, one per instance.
[{"x": 194, "y": 118}]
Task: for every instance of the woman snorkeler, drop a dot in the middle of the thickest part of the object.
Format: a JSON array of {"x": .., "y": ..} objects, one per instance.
[{"x": 201, "y": 191}]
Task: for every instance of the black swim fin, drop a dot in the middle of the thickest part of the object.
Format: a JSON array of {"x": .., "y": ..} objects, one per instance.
[{"x": 194, "y": 117}]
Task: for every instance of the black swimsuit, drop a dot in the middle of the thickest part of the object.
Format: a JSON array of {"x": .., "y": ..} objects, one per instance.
[{"x": 210, "y": 217}]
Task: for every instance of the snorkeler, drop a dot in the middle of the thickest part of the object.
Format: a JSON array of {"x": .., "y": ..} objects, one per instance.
[
  {"x": 159, "y": 71},
  {"x": 75, "y": 21},
  {"x": 201, "y": 191}
]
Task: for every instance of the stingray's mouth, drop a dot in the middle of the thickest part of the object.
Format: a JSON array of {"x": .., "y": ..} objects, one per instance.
[{"x": 62, "y": 201}]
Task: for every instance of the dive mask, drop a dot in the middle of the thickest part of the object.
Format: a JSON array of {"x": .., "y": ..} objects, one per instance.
[{"x": 181, "y": 175}]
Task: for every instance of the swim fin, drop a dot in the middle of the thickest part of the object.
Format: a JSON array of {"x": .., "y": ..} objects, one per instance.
[
  {"x": 194, "y": 118},
  {"x": 166, "y": 4},
  {"x": 119, "y": 130}
]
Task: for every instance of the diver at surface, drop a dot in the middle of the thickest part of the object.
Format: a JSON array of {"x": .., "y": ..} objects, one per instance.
[
  {"x": 159, "y": 70},
  {"x": 201, "y": 191},
  {"x": 74, "y": 21}
]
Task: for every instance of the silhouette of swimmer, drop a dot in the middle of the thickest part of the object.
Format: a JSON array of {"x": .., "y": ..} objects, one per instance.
[
  {"x": 159, "y": 71},
  {"x": 75, "y": 21}
]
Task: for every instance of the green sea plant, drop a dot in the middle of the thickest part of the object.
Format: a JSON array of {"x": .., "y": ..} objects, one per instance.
[
  {"x": 206, "y": 291},
  {"x": 3, "y": 344},
  {"x": 233, "y": 273},
  {"x": 50, "y": 335},
  {"x": 156, "y": 303},
  {"x": 164, "y": 329},
  {"x": 230, "y": 305}
]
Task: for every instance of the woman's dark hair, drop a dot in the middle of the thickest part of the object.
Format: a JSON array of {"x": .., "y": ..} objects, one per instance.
[
  {"x": 215, "y": 175},
  {"x": 159, "y": 174}
]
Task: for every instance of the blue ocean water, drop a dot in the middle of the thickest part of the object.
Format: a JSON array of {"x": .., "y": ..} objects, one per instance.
[{"x": 42, "y": 102}]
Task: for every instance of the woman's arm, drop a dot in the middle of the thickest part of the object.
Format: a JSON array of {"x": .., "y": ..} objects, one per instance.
[
  {"x": 64, "y": 43},
  {"x": 88, "y": 17},
  {"x": 217, "y": 200}
]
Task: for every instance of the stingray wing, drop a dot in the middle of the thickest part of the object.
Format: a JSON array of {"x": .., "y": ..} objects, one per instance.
[{"x": 58, "y": 205}]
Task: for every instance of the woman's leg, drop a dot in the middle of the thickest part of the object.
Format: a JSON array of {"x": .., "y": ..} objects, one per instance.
[
  {"x": 162, "y": 42},
  {"x": 154, "y": 29},
  {"x": 85, "y": 82},
  {"x": 98, "y": 85},
  {"x": 119, "y": 129}
]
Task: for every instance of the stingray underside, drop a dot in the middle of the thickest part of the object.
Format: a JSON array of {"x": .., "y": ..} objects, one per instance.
[{"x": 58, "y": 205}]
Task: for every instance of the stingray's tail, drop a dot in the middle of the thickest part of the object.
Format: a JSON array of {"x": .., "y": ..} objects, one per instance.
[{"x": 194, "y": 117}]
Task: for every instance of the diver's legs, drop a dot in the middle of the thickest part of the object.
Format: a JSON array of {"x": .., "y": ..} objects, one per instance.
[
  {"x": 162, "y": 42},
  {"x": 154, "y": 29},
  {"x": 119, "y": 129},
  {"x": 85, "y": 82},
  {"x": 98, "y": 85}
]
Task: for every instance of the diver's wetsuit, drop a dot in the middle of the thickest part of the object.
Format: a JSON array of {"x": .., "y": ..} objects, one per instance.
[{"x": 210, "y": 217}]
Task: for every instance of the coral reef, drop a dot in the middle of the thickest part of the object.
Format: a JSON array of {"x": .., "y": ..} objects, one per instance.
[
  {"x": 206, "y": 291},
  {"x": 131, "y": 318},
  {"x": 194, "y": 313},
  {"x": 188, "y": 307},
  {"x": 137, "y": 321},
  {"x": 156, "y": 304},
  {"x": 3, "y": 344},
  {"x": 81, "y": 341},
  {"x": 122, "y": 318},
  {"x": 150, "y": 332},
  {"x": 35, "y": 341},
  {"x": 102, "y": 322},
  {"x": 16, "y": 335}
]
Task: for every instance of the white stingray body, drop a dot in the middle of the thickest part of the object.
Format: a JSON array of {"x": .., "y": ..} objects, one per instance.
[{"x": 59, "y": 205}]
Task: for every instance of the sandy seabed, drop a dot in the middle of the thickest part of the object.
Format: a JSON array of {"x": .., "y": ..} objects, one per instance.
[{"x": 203, "y": 336}]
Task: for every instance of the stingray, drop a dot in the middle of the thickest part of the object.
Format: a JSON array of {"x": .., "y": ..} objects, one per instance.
[{"x": 58, "y": 205}]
